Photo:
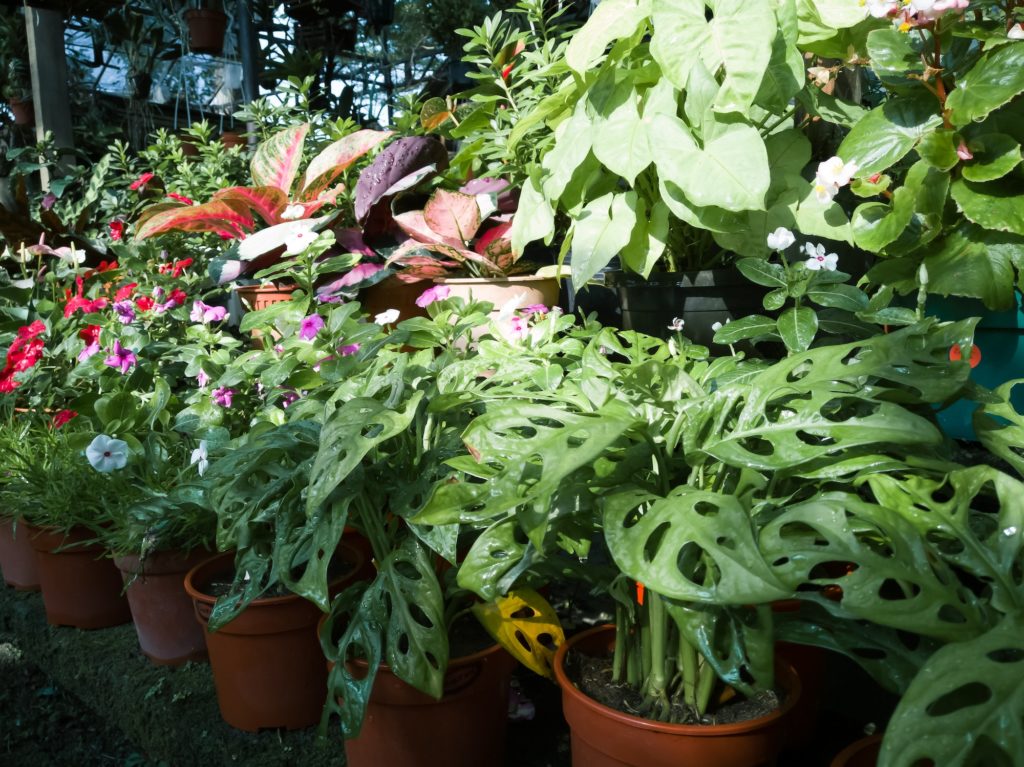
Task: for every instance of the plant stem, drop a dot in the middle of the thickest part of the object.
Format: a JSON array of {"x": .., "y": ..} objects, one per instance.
[
  {"x": 688, "y": 658},
  {"x": 656, "y": 684}
]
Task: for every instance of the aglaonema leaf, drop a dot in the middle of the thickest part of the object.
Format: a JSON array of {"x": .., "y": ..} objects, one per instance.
[{"x": 276, "y": 161}]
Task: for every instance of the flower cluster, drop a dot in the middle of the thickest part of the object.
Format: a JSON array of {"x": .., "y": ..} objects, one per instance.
[
  {"x": 26, "y": 350},
  {"x": 832, "y": 174},
  {"x": 907, "y": 14}
]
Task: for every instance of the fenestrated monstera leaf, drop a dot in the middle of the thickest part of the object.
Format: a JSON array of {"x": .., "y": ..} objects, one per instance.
[
  {"x": 1000, "y": 428},
  {"x": 525, "y": 624},
  {"x": 966, "y": 706}
]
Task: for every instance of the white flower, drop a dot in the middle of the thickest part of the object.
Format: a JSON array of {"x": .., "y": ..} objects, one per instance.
[
  {"x": 781, "y": 239},
  {"x": 832, "y": 174},
  {"x": 298, "y": 241},
  {"x": 672, "y": 348},
  {"x": 677, "y": 324},
  {"x": 387, "y": 317},
  {"x": 200, "y": 457},
  {"x": 716, "y": 326},
  {"x": 818, "y": 259},
  {"x": 106, "y": 454},
  {"x": 1016, "y": 32},
  {"x": 820, "y": 75},
  {"x": 71, "y": 256},
  {"x": 272, "y": 237},
  {"x": 881, "y": 9},
  {"x": 293, "y": 212}
]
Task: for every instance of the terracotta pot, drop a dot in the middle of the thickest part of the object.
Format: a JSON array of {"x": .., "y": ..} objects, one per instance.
[
  {"x": 230, "y": 138},
  {"x": 81, "y": 587},
  {"x": 530, "y": 289},
  {"x": 603, "y": 737},
  {"x": 267, "y": 664},
  {"x": 161, "y": 610},
  {"x": 24, "y": 111},
  {"x": 809, "y": 663},
  {"x": 17, "y": 557},
  {"x": 466, "y": 728},
  {"x": 258, "y": 297},
  {"x": 392, "y": 293},
  {"x": 188, "y": 146},
  {"x": 206, "y": 30},
  {"x": 863, "y": 753}
]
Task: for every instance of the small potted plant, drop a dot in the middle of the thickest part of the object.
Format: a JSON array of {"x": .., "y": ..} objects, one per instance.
[{"x": 206, "y": 23}]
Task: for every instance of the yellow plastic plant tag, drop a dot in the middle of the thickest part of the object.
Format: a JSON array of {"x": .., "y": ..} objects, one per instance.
[{"x": 524, "y": 624}]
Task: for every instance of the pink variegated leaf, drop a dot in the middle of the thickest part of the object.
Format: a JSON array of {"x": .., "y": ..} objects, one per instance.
[
  {"x": 461, "y": 255},
  {"x": 266, "y": 201},
  {"x": 497, "y": 246},
  {"x": 276, "y": 162},
  {"x": 329, "y": 197},
  {"x": 453, "y": 215},
  {"x": 213, "y": 216},
  {"x": 417, "y": 268},
  {"x": 415, "y": 225},
  {"x": 336, "y": 159}
]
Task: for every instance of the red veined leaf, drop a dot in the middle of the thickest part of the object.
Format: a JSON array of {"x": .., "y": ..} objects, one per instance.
[
  {"x": 452, "y": 215},
  {"x": 411, "y": 247},
  {"x": 329, "y": 197},
  {"x": 414, "y": 225},
  {"x": 336, "y": 159},
  {"x": 494, "y": 240},
  {"x": 417, "y": 268},
  {"x": 213, "y": 216},
  {"x": 151, "y": 210},
  {"x": 266, "y": 201},
  {"x": 276, "y": 162}
]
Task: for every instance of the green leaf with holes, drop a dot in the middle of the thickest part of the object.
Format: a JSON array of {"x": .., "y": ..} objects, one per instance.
[
  {"x": 693, "y": 545},
  {"x": 526, "y": 625},
  {"x": 974, "y": 687},
  {"x": 1000, "y": 428}
]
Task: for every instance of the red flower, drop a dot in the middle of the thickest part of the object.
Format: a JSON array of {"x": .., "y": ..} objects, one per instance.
[
  {"x": 144, "y": 303},
  {"x": 90, "y": 334},
  {"x": 26, "y": 350},
  {"x": 507, "y": 71},
  {"x": 78, "y": 301},
  {"x": 116, "y": 229},
  {"x": 956, "y": 355},
  {"x": 177, "y": 268},
  {"x": 125, "y": 291},
  {"x": 61, "y": 418},
  {"x": 177, "y": 297},
  {"x": 180, "y": 198},
  {"x": 141, "y": 181},
  {"x": 105, "y": 266}
]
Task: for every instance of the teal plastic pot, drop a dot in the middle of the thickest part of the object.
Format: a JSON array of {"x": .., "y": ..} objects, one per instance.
[{"x": 1000, "y": 338}]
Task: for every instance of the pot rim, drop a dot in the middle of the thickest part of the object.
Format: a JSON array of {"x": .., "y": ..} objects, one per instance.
[
  {"x": 703, "y": 278},
  {"x": 692, "y": 730},
  {"x": 514, "y": 279},
  {"x": 356, "y": 559},
  {"x": 843, "y": 757}
]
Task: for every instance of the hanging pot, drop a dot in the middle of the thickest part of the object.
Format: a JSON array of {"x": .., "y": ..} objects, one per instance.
[
  {"x": 268, "y": 668},
  {"x": 862, "y": 753},
  {"x": 141, "y": 85},
  {"x": 206, "y": 30},
  {"x": 604, "y": 737},
  {"x": 17, "y": 557},
  {"x": 230, "y": 138},
  {"x": 161, "y": 610},
  {"x": 24, "y": 111},
  {"x": 81, "y": 587},
  {"x": 404, "y": 727}
]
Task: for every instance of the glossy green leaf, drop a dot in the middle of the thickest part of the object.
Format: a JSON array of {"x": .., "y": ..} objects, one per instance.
[
  {"x": 887, "y": 134},
  {"x": 751, "y": 326},
  {"x": 798, "y": 326},
  {"x": 611, "y": 21},
  {"x": 995, "y": 155},
  {"x": 680, "y": 33},
  {"x": 938, "y": 149},
  {"x": 624, "y": 146},
  {"x": 762, "y": 272},
  {"x": 997, "y": 205},
  {"x": 603, "y": 228},
  {"x": 993, "y": 81},
  {"x": 838, "y": 296},
  {"x": 1000, "y": 428},
  {"x": 977, "y": 263}
]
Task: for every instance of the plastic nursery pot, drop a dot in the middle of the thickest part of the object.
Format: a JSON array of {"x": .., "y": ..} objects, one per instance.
[
  {"x": 603, "y": 737},
  {"x": 81, "y": 587},
  {"x": 161, "y": 610},
  {"x": 862, "y": 753},
  {"x": 17, "y": 557},
  {"x": 700, "y": 299},
  {"x": 527, "y": 289},
  {"x": 809, "y": 663},
  {"x": 24, "y": 111},
  {"x": 230, "y": 138},
  {"x": 206, "y": 30},
  {"x": 268, "y": 668},
  {"x": 256, "y": 297},
  {"x": 465, "y": 728},
  {"x": 392, "y": 293}
]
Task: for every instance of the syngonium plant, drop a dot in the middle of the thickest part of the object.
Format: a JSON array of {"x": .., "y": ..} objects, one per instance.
[
  {"x": 940, "y": 158},
  {"x": 674, "y": 134},
  {"x": 684, "y": 464}
]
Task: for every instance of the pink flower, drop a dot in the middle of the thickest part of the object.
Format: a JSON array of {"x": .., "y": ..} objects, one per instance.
[
  {"x": 48, "y": 201},
  {"x": 310, "y": 326},
  {"x": 348, "y": 350},
  {"x": 88, "y": 351},
  {"x": 206, "y": 314},
  {"x": 116, "y": 229},
  {"x": 288, "y": 398},
  {"x": 223, "y": 395},
  {"x": 963, "y": 152},
  {"x": 202, "y": 378},
  {"x": 517, "y": 328},
  {"x": 61, "y": 418},
  {"x": 141, "y": 181},
  {"x": 430, "y": 295},
  {"x": 122, "y": 358},
  {"x": 532, "y": 309}
]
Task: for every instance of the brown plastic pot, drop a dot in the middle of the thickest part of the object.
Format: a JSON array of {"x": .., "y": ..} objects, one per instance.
[
  {"x": 81, "y": 587},
  {"x": 465, "y": 728},
  {"x": 862, "y": 753},
  {"x": 206, "y": 29},
  {"x": 392, "y": 293},
  {"x": 603, "y": 737},
  {"x": 24, "y": 111},
  {"x": 161, "y": 610},
  {"x": 230, "y": 138},
  {"x": 268, "y": 668},
  {"x": 17, "y": 557},
  {"x": 528, "y": 289},
  {"x": 260, "y": 297}
]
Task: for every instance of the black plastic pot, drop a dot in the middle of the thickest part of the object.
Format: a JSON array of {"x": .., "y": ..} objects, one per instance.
[{"x": 700, "y": 299}]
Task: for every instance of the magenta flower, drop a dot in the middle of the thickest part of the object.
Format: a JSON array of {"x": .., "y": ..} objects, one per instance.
[
  {"x": 125, "y": 311},
  {"x": 430, "y": 295},
  {"x": 122, "y": 358},
  {"x": 288, "y": 398},
  {"x": 517, "y": 328},
  {"x": 348, "y": 350},
  {"x": 202, "y": 378},
  {"x": 963, "y": 152},
  {"x": 532, "y": 309},
  {"x": 88, "y": 351},
  {"x": 206, "y": 314},
  {"x": 310, "y": 326},
  {"x": 223, "y": 395}
]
